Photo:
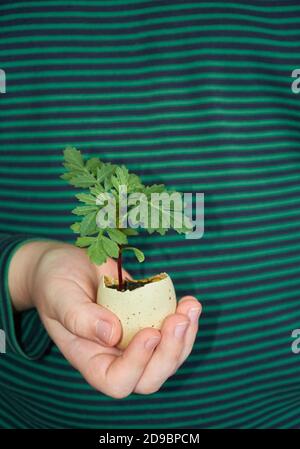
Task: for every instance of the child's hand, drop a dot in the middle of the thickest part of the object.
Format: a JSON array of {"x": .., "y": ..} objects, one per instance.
[{"x": 60, "y": 281}]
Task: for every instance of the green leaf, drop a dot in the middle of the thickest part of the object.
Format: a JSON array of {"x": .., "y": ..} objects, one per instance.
[
  {"x": 138, "y": 253},
  {"x": 76, "y": 227},
  {"x": 67, "y": 176},
  {"x": 120, "y": 177},
  {"x": 84, "y": 180},
  {"x": 154, "y": 188},
  {"x": 96, "y": 190},
  {"x": 122, "y": 174},
  {"x": 130, "y": 231},
  {"x": 84, "y": 210},
  {"x": 160, "y": 230},
  {"x": 103, "y": 177},
  {"x": 96, "y": 252},
  {"x": 83, "y": 242},
  {"x": 73, "y": 158},
  {"x": 92, "y": 165},
  {"x": 115, "y": 183},
  {"x": 130, "y": 180},
  {"x": 134, "y": 184},
  {"x": 86, "y": 198},
  {"x": 117, "y": 236},
  {"x": 169, "y": 216},
  {"x": 104, "y": 172},
  {"x": 110, "y": 247},
  {"x": 88, "y": 224},
  {"x": 107, "y": 184}
]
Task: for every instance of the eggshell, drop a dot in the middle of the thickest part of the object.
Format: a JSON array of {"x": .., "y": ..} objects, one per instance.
[{"x": 145, "y": 306}]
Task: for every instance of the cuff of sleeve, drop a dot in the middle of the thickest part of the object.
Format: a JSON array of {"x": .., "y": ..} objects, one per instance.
[{"x": 24, "y": 332}]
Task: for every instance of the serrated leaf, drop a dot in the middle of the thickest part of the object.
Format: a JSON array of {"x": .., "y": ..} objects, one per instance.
[
  {"x": 88, "y": 224},
  {"x": 96, "y": 190},
  {"x": 120, "y": 178},
  {"x": 166, "y": 214},
  {"x": 122, "y": 174},
  {"x": 154, "y": 188},
  {"x": 86, "y": 198},
  {"x": 67, "y": 176},
  {"x": 84, "y": 180},
  {"x": 138, "y": 253},
  {"x": 134, "y": 183},
  {"x": 110, "y": 247},
  {"x": 83, "y": 242},
  {"x": 92, "y": 164},
  {"x": 84, "y": 210},
  {"x": 73, "y": 170},
  {"x": 130, "y": 231},
  {"x": 117, "y": 236},
  {"x": 96, "y": 253},
  {"x": 115, "y": 183},
  {"x": 107, "y": 184},
  {"x": 99, "y": 178},
  {"x": 73, "y": 158},
  {"x": 76, "y": 227},
  {"x": 104, "y": 172}
]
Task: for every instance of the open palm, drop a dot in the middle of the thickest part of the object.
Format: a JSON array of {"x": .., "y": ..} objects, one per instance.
[{"x": 64, "y": 292}]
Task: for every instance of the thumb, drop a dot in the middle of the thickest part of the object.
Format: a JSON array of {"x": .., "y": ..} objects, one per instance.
[{"x": 82, "y": 317}]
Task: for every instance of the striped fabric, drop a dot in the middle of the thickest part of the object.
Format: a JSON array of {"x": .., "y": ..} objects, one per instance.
[{"x": 196, "y": 95}]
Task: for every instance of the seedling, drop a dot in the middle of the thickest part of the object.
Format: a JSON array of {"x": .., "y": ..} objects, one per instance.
[{"x": 105, "y": 185}]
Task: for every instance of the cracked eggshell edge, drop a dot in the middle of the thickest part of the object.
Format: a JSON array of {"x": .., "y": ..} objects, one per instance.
[{"x": 146, "y": 306}]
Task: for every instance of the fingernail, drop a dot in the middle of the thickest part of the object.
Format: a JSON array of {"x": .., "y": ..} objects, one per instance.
[
  {"x": 152, "y": 342},
  {"x": 194, "y": 313},
  {"x": 104, "y": 330},
  {"x": 180, "y": 329}
]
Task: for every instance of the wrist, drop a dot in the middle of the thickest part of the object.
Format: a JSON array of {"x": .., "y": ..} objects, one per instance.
[{"x": 22, "y": 270}]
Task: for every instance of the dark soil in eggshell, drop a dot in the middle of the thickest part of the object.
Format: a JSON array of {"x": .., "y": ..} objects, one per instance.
[{"x": 131, "y": 284}]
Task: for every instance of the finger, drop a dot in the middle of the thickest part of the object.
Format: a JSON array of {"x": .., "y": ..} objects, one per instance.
[
  {"x": 190, "y": 307},
  {"x": 166, "y": 356},
  {"x": 83, "y": 318},
  {"x": 108, "y": 369},
  {"x": 125, "y": 372}
]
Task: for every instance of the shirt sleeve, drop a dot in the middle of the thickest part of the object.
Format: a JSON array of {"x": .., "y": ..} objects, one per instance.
[{"x": 25, "y": 334}]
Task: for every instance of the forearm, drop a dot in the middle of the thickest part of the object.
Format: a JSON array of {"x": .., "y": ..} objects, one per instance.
[{"x": 22, "y": 270}]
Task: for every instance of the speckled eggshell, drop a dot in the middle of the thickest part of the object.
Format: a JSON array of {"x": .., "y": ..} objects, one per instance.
[{"x": 146, "y": 306}]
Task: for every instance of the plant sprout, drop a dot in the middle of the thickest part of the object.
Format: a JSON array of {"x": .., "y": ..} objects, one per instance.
[{"x": 104, "y": 180}]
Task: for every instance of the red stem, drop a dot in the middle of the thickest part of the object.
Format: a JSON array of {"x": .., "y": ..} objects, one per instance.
[{"x": 119, "y": 263}]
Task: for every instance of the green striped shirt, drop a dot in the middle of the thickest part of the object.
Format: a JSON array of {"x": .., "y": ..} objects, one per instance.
[{"x": 194, "y": 94}]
